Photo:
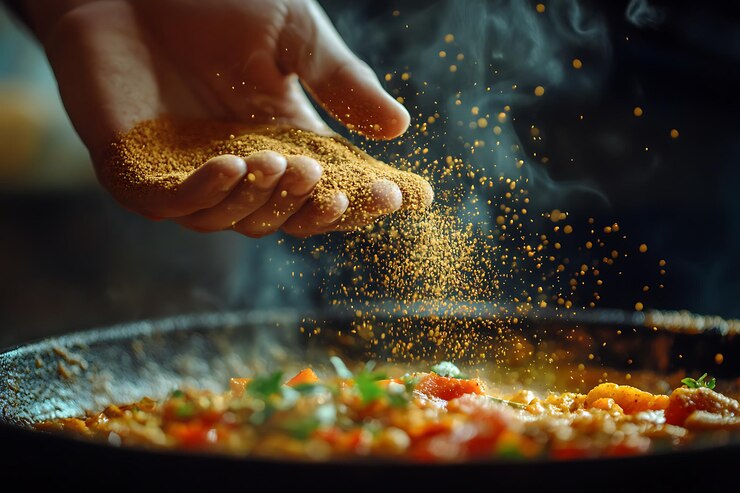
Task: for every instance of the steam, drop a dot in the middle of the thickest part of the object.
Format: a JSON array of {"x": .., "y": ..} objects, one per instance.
[
  {"x": 642, "y": 14},
  {"x": 507, "y": 50},
  {"x": 501, "y": 51}
]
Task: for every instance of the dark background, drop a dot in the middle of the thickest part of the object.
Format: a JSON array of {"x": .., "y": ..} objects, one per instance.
[{"x": 73, "y": 259}]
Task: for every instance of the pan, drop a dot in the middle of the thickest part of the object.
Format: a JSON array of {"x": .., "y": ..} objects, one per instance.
[{"x": 64, "y": 376}]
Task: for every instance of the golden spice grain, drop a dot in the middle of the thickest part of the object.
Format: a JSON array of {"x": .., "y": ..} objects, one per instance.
[{"x": 156, "y": 156}]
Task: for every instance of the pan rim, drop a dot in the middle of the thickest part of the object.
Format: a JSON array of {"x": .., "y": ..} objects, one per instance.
[{"x": 218, "y": 319}]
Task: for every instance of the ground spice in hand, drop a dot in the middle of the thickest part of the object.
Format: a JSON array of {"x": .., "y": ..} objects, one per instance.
[{"x": 156, "y": 156}]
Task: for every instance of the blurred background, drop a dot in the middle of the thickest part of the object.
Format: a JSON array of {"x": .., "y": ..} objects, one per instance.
[{"x": 636, "y": 125}]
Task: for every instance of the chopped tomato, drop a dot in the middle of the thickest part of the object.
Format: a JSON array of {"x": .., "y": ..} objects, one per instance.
[
  {"x": 190, "y": 434},
  {"x": 683, "y": 402},
  {"x": 210, "y": 415},
  {"x": 340, "y": 439},
  {"x": 483, "y": 443},
  {"x": 447, "y": 388},
  {"x": 633, "y": 446},
  {"x": 567, "y": 451},
  {"x": 426, "y": 450},
  {"x": 304, "y": 376}
]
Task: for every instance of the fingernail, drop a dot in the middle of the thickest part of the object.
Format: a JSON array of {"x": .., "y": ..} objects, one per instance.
[
  {"x": 272, "y": 161},
  {"x": 335, "y": 208},
  {"x": 302, "y": 181},
  {"x": 387, "y": 196},
  {"x": 232, "y": 166}
]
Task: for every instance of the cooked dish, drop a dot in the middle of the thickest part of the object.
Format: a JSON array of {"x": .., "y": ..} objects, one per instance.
[{"x": 438, "y": 415}]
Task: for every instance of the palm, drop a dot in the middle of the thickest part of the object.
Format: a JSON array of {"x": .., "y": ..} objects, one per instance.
[
  {"x": 230, "y": 59},
  {"x": 189, "y": 59},
  {"x": 121, "y": 62}
]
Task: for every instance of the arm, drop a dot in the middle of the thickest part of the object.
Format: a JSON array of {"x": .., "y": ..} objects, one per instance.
[{"x": 118, "y": 62}]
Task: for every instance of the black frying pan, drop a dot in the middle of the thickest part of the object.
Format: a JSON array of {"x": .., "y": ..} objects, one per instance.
[{"x": 63, "y": 376}]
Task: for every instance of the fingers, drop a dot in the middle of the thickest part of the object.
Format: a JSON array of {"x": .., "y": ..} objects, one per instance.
[
  {"x": 341, "y": 82},
  {"x": 264, "y": 171},
  {"x": 385, "y": 197},
  {"x": 205, "y": 187},
  {"x": 291, "y": 193},
  {"x": 314, "y": 218},
  {"x": 267, "y": 192}
]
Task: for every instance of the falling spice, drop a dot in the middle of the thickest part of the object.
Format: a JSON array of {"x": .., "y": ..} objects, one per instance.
[
  {"x": 477, "y": 248},
  {"x": 156, "y": 156}
]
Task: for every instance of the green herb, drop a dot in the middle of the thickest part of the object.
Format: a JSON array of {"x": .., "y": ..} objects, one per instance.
[
  {"x": 177, "y": 393},
  {"x": 264, "y": 387},
  {"x": 509, "y": 451},
  {"x": 185, "y": 410},
  {"x": 263, "y": 413},
  {"x": 368, "y": 388},
  {"x": 301, "y": 428},
  {"x": 311, "y": 388},
  {"x": 700, "y": 382},
  {"x": 324, "y": 415},
  {"x": 265, "y": 391},
  {"x": 398, "y": 399},
  {"x": 447, "y": 369},
  {"x": 366, "y": 383},
  {"x": 517, "y": 405},
  {"x": 411, "y": 381}
]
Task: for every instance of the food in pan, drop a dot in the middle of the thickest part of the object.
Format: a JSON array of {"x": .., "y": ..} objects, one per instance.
[{"x": 438, "y": 415}]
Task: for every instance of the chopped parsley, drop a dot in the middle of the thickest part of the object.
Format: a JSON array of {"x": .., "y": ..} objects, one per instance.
[
  {"x": 323, "y": 416},
  {"x": 269, "y": 396},
  {"x": 517, "y": 405},
  {"x": 368, "y": 388},
  {"x": 264, "y": 387},
  {"x": 185, "y": 410},
  {"x": 700, "y": 382},
  {"x": 307, "y": 389}
]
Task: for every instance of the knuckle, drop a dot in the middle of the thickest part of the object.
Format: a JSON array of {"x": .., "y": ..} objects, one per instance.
[
  {"x": 307, "y": 168},
  {"x": 267, "y": 162}
]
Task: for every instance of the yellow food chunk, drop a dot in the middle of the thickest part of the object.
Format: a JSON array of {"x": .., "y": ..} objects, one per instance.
[{"x": 630, "y": 399}]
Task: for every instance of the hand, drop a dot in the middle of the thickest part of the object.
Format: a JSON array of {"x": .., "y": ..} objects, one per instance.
[{"x": 119, "y": 62}]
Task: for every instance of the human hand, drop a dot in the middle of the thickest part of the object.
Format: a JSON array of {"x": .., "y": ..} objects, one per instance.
[{"x": 120, "y": 62}]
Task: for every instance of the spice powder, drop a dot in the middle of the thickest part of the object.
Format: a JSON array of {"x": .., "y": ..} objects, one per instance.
[{"x": 156, "y": 156}]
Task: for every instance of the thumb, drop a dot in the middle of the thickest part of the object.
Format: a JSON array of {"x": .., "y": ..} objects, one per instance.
[{"x": 343, "y": 84}]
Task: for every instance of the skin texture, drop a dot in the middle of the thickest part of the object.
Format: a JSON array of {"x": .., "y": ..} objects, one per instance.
[{"x": 118, "y": 62}]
